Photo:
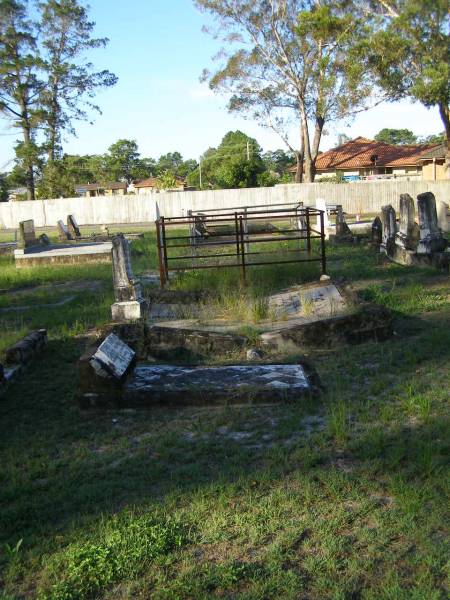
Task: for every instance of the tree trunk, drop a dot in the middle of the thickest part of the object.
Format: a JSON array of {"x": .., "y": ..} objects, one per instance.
[
  {"x": 29, "y": 163},
  {"x": 308, "y": 160},
  {"x": 299, "y": 164},
  {"x": 445, "y": 116}
]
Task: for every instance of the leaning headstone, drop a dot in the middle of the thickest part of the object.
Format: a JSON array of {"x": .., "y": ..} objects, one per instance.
[
  {"x": 377, "y": 232},
  {"x": 72, "y": 228},
  {"x": 405, "y": 236},
  {"x": 27, "y": 234},
  {"x": 63, "y": 234},
  {"x": 388, "y": 218},
  {"x": 431, "y": 238},
  {"x": 442, "y": 215},
  {"x": 129, "y": 304},
  {"x": 112, "y": 358}
]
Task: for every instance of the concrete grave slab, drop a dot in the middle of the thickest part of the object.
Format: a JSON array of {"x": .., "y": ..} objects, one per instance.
[
  {"x": 308, "y": 302},
  {"x": 63, "y": 254},
  {"x": 209, "y": 385}
]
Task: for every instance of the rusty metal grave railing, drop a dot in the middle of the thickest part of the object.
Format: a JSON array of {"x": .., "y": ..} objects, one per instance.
[{"x": 241, "y": 239}]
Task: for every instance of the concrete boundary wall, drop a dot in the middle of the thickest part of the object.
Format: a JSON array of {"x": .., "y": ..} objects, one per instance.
[{"x": 365, "y": 197}]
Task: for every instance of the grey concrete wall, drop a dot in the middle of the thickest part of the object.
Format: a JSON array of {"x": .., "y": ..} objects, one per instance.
[{"x": 364, "y": 197}]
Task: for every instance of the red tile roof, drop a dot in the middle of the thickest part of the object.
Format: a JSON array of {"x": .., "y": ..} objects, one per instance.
[
  {"x": 362, "y": 152},
  {"x": 151, "y": 182}
]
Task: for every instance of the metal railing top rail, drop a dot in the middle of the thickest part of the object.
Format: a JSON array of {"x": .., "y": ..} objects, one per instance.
[
  {"x": 279, "y": 214},
  {"x": 243, "y": 208}
]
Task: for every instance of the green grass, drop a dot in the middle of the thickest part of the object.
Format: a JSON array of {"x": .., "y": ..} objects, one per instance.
[{"x": 344, "y": 497}]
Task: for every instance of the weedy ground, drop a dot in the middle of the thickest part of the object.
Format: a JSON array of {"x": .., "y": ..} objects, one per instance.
[{"x": 342, "y": 497}]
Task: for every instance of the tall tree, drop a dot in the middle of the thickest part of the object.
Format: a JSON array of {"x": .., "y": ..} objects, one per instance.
[
  {"x": 20, "y": 87},
  {"x": 409, "y": 52},
  {"x": 123, "y": 161},
  {"x": 398, "y": 137},
  {"x": 236, "y": 163},
  {"x": 289, "y": 61},
  {"x": 66, "y": 34}
]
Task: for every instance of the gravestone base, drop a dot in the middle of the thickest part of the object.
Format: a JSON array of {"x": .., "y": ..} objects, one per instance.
[
  {"x": 409, "y": 258},
  {"x": 431, "y": 244},
  {"x": 132, "y": 310}
]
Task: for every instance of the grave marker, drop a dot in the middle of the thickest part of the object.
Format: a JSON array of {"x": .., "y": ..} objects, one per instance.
[
  {"x": 129, "y": 304},
  {"x": 63, "y": 234},
  {"x": 388, "y": 218},
  {"x": 377, "y": 232},
  {"x": 72, "y": 228},
  {"x": 112, "y": 358},
  {"x": 27, "y": 234},
  {"x": 431, "y": 238},
  {"x": 442, "y": 215},
  {"x": 406, "y": 237}
]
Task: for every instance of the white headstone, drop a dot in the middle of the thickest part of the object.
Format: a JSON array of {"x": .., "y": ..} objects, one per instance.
[
  {"x": 322, "y": 205},
  {"x": 113, "y": 357}
]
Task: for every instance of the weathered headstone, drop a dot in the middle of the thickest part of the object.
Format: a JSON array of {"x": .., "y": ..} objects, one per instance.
[
  {"x": 442, "y": 215},
  {"x": 112, "y": 358},
  {"x": 129, "y": 304},
  {"x": 388, "y": 218},
  {"x": 63, "y": 233},
  {"x": 377, "y": 232},
  {"x": 405, "y": 237},
  {"x": 431, "y": 238},
  {"x": 27, "y": 234},
  {"x": 72, "y": 228},
  {"x": 44, "y": 240},
  {"x": 342, "y": 229}
]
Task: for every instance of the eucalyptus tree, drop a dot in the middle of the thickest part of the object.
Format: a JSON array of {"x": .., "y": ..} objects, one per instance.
[
  {"x": 289, "y": 63},
  {"x": 20, "y": 86},
  {"x": 408, "y": 52}
]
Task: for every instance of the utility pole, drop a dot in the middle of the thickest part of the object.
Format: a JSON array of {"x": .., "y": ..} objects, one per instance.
[
  {"x": 248, "y": 150},
  {"x": 200, "y": 171}
]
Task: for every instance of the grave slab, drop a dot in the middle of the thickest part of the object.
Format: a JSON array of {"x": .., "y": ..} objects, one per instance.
[
  {"x": 166, "y": 384},
  {"x": 63, "y": 254}
]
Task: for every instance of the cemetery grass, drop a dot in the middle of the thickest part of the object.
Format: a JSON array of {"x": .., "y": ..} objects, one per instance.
[{"x": 344, "y": 497}]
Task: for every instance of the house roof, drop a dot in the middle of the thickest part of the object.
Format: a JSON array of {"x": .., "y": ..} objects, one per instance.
[
  {"x": 117, "y": 185},
  {"x": 435, "y": 152},
  {"x": 362, "y": 152},
  {"x": 152, "y": 181}
]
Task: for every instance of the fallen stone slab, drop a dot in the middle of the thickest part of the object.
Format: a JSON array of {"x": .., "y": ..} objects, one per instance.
[
  {"x": 24, "y": 350},
  {"x": 168, "y": 385}
]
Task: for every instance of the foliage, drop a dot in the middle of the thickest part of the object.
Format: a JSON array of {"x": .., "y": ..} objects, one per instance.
[
  {"x": 20, "y": 85},
  {"x": 123, "y": 551},
  {"x": 3, "y": 187},
  {"x": 289, "y": 61},
  {"x": 236, "y": 163},
  {"x": 123, "y": 162},
  {"x": 408, "y": 51},
  {"x": 278, "y": 161},
  {"x": 166, "y": 180},
  {"x": 398, "y": 137}
]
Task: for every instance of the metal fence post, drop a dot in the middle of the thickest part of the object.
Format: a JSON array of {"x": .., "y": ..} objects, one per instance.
[
  {"x": 322, "y": 243},
  {"x": 308, "y": 231},
  {"x": 164, "y": 245},
  {"x": 241, "y": 231},
  {"x": 162, "y": 275}
]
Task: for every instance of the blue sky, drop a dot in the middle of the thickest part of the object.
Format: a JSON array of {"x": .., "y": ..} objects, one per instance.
[{"x": 158, "y": 51}]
